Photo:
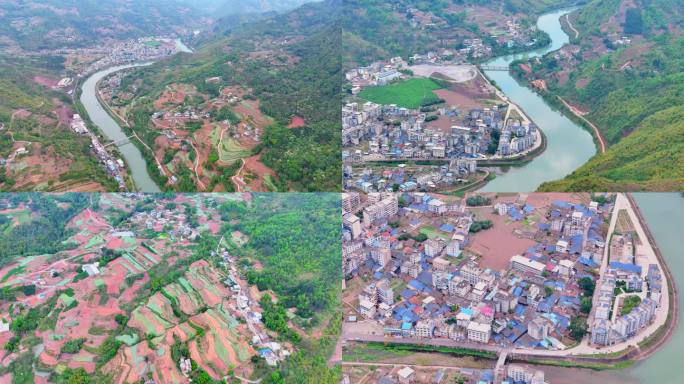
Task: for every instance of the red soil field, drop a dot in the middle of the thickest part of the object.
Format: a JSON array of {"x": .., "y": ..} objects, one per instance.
[
  {"x": 46, "y": 81},
  {"x": 297, "y": 122}
]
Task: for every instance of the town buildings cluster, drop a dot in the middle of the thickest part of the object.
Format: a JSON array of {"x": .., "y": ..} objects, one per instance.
[
  {"x": 113, "y": 166},
  {"x": 243, "y": 306},
  {"x": 429, "y": 287},
  {"x": 625, "y": 280},
  {"x": 130, "y": 51},
  {"x": 383, "y": 132},
  {"x": 408, "y": 178}
]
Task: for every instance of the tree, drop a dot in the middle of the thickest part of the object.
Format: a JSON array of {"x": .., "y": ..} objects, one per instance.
[
  {"x": 578, "y": 327},
  {"x": 585, "y": 305},
  {"x": 548, "y": 291},
  {"x": 588, "y": 285},
  {"x": 634, "y": 23}
]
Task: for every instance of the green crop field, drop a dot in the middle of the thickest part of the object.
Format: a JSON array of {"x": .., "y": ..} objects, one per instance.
[{"x": 411, "y": 93}]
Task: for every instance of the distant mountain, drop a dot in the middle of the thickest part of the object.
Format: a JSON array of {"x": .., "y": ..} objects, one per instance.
[
  {"x": 379, "y": 29},
  {"x": 47, "y": 24},
  {"x": 232, "y": 7}
]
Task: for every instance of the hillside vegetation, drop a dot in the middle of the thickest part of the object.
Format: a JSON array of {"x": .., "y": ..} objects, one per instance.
[
  {"x": 290, "y": 63},
  {"x": 633, "y": 92},
  {"x": 30, "y": 115},
  {"x": 650, "y": 159},
  {"x": 377, "y": 29}
]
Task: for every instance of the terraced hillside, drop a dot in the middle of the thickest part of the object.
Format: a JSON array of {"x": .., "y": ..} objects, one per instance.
[
  {"x": 121, "y": 288},
  {"x": 38, "y": 149},
  {"x": 250, "y": 86}
]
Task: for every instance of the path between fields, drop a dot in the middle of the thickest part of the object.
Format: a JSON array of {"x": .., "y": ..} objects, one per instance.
[
  {"x": 159, "y": 165},
  {"x": 578, "y": 113},
  {"x": 197, "y": 156},
  {"x": 245, "y": 380},
  {"x": 567, "y": 18},
  {"x": 236, "y": 179}
]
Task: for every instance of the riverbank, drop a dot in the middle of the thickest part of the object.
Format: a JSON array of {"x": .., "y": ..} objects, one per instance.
[
  {"x": 563, "y": 107},
  {"x": 567, "y": 146},
  {"x": 115, "y": 131},
  {"x": 155, "y": 173}
]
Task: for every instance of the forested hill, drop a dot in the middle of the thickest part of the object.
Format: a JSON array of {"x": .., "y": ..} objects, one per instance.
[
  {"x": 291, "y": 64},
  {"x": 626, "y": 72},
  {"x": 47, "y": 24},
  {"x": 379, "y": 29},
  {"x": 232, "y": 7}
]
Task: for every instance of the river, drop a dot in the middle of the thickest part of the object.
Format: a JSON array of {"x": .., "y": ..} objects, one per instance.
[
  {"x": 664, "y": 214},
  {"x": 111, "y": 129},
  {"x": 568, "y": 144}
]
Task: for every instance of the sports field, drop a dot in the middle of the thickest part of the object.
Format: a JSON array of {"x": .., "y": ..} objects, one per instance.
[{"x": 411, "y": 93}]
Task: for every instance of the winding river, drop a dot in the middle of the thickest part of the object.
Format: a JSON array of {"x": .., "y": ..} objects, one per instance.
[
  {"x": 568, "y": 144},
  {"x": 111, "y": 129}
]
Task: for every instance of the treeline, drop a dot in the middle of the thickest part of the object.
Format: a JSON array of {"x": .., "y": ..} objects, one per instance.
[
  {"x": 296, "y": 238},
  {"x": 46, "y": 231}
]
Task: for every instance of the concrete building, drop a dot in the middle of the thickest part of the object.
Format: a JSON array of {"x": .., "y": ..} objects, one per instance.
[
  {"x": 406, "y": 375},
  {"x": 538, "y": 328},
  {"x": 520, "y": 374},
  {"x": 525, "y": 265},
  {"x": 425, "y": 328},
  {"x": 388, "y": 206},
  {"x": 479, "y": 332},
  {"x": 353, "y": 222}
]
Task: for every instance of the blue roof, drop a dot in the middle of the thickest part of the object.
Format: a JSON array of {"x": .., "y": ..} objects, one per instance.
[
  {"x": 416, "y": 284},
  {"x": 562, "y": 204},
  {"x": 625, "y": 267},
  {"x": 586, "y": 261},
  {"x": 419, "y": 207},
  {"x": 406, "y": 326},
  {"x": 517, "y": 291},
  {"x": 425, "y": 277},
  {"x": 515, "y": 214},
  {"x": 446, "y": 228},
  {"x": 407, "y": 293}
]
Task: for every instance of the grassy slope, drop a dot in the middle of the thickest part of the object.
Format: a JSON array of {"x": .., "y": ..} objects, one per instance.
[
  {"x": 651, "y": 158},
  {"x": 636, "y": 109}
]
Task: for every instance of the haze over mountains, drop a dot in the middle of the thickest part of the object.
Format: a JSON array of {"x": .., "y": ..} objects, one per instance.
[{"x": 47, "y": 24}]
